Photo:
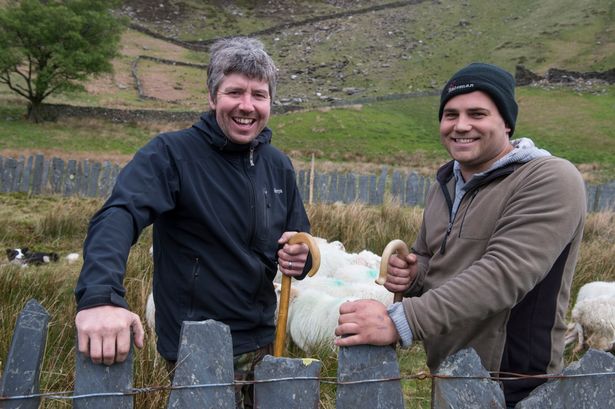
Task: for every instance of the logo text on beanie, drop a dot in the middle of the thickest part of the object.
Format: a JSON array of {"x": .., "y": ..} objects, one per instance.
[{"x": 455, "y": 87}]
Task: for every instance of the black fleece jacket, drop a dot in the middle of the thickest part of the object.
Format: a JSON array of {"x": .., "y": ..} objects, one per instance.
[{"x": 218, "y": 209}]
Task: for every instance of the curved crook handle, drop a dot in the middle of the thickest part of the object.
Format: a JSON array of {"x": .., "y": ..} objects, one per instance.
[
  {"x": 280, "y": 332},
  {"x": 308, "y": 240},
  {"x": 395, "y": 246}
]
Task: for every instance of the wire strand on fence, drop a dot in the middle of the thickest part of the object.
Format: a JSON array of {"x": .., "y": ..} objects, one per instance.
[{"x": 510, "y": 376}]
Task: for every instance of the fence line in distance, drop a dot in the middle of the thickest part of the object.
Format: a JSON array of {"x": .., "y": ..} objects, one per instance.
[{"x": 37, "y": 175}]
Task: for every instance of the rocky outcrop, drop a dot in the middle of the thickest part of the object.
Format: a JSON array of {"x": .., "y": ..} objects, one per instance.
[{"x": 524, "y": 76}]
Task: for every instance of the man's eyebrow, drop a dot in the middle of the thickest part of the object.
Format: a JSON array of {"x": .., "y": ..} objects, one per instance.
[
  {"x": 472, "y": 109},
  {"x": 232, "y": 88},
  {"x": 235, "y": 88}
]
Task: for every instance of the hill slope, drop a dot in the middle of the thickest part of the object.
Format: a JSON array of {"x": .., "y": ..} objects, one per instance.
[
  {"x": 347, "y": 51},
  {"x": 341, "y": 49}
]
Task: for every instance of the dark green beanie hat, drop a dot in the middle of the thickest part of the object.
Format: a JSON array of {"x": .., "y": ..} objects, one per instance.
[{"x": 496, "y": 82}]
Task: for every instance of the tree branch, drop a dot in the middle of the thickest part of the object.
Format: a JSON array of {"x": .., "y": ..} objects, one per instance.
[{"x": 5, "y": 77}]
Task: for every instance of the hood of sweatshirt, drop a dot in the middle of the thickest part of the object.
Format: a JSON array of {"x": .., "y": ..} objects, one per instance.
[{"x": 524, "y": 150}]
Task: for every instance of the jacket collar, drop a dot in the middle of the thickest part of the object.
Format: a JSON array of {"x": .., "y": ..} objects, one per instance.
[
  {"x": 523, "y": 151},
  {"x": 214, "y": 135},
  {"x": 445, "y": 175}
]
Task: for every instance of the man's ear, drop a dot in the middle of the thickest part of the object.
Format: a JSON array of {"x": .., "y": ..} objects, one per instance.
[
  {"x": 507, "y": 129},
  {"x": 212, "y": 103}
]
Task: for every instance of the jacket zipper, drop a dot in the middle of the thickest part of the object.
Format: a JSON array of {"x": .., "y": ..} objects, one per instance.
[
  {"x": 503, "y": 172},
  {"x": 266, "y": 208},
  {"x": 449, "y": 228},
  {"x": 195, "y": 276},
  {"x": 253, "y": 201},
  {"x": 449, "y": 203},
  {"x": 448, "y": 231},
  {"x": 474, "y": 193}
]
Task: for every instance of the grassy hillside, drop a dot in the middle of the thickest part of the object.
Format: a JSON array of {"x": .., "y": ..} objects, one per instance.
[
  {"x": 353, "y": 54},
  {"x": 401, "y": 133},
  {"x": 405, "y": 46},
  {"x": 402, "y": 48}
]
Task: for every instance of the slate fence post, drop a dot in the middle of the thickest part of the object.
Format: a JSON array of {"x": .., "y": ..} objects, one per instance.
[{"x": 23, "y": 366}]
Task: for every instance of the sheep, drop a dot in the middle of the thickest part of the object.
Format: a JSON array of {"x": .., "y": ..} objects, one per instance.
[
  {"x": 314, "y": 301},
  {"x": 150, "y": 312},
  {"x": 333, "y": 257},
  {"x": 593, "y": 317},
  {"x": 596, "y": 289},
  {"x": 312, "y": 318},
  {"x": 345, "y": 287}
]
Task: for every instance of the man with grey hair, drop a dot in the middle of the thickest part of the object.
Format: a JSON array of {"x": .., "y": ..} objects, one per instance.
[{"x": 223, "y": 203}]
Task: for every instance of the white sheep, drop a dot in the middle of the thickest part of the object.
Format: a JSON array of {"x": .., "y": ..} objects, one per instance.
[
  {"x": 312, "y": 318},
  {"x": 596, "y": 289},
  {"x": 333, "y": 256},
  {"x": 150, "y": 313},
  {"x": 314, "y": 301},
  {"x": 593, "y": 317},
  {"x": 72, "y": 258},
  {"x": 344, "y": 287}
]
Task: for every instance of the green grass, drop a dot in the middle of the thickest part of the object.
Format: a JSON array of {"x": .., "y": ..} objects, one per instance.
[
  {"x": 69, "y": 135},
  {"x": 382, "y": 132},
  {"x": 59, "y": 224},
  {"x": 574, "y": 125}
]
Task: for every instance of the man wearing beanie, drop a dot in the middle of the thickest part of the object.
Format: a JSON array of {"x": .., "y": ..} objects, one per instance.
[{"x": 492, "y": 265}]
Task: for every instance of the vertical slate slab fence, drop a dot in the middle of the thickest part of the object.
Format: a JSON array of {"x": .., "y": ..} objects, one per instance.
[
  {"x": 37, "y": 175},
  {"x": 449, "y": 391},
  {"x": 368, "y": 377},
  {"x": 23, "y": 365},
  {"x": 204, "y": 373}
]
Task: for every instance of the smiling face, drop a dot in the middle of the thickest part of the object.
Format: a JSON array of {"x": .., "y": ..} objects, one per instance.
[
  {"x": 242, "y": 106},
  {"x": 473, "y": 132}
]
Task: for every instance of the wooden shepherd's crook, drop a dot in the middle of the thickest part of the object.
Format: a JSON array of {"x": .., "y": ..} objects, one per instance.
[
  {"x": 280, "y": 332},
  {"x": 395, "y": 246}
]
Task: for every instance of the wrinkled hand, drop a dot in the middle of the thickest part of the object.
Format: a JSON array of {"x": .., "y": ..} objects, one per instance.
[
  {"x": 103, "y": 333},
  {"x": 291, "y": 257},
  {"x": 401, "y": 272},
  {"x": 365, "y": 322}
]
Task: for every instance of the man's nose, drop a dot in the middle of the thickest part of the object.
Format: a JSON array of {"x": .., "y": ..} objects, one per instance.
[
  {"x": 463, "y": 124},
  {"x": 246, "y": 103}
]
